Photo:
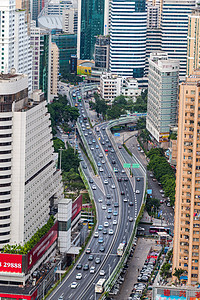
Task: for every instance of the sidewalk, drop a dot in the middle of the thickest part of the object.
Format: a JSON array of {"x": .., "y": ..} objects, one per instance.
[{"x": 148, "y": 219}]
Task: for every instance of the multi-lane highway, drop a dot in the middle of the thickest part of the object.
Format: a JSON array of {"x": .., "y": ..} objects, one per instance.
[{"x": 116, "y": 211}]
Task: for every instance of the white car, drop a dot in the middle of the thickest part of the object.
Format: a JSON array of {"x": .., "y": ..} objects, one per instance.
[
  {"x": 106, "y": 224},
  {"x": 104, "y": 207},
  {"x": 110, "y": 231},
  {"x": 113, "y": 186},
  {"x": 125, "y": 199},
  {"x": 79, "y": 276},
  {"x": 103, "y": 162},
  {"x": 92, "y": 148},
  {"x": 96, "y": 234},
  {"x": 86, "y": 134},
  {"x": 100, "y": 169},
  {"x": 100, "y": 200},
  {"x": 137, "y": 192},
  {"x": 100, "y": 155},
  {"x": 102, "y": 273},
  {"x": 105, "y": 181},
  {"x": 94, "y": 187},
  {"x": 92, "y": 270},
  {"x": 74, "y": 285},
  {"x": 123, "y": 171},
  {"x": 114, "y": 222}
]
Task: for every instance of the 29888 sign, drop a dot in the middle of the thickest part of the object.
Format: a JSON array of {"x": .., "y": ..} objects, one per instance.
[{"x": 10, "y": 263}]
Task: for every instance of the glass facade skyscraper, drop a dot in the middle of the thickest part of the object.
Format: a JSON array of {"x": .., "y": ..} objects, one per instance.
[{"x": 91, "y": 14}]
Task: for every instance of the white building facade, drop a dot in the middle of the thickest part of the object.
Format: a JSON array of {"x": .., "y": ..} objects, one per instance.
[
  {"x": 163, "y": 88},
  {"x": 110, "y": 86},
  {"x": 35, "y": 47},
  {"x": 29, "y": 181}
]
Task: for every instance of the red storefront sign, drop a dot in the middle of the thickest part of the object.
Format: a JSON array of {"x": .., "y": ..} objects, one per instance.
[
  {"x": 18, "y": 297},
  {"x": 10, "y": 263},
  {"x": 40, "y": 248},
  {"x": 76, "y": 207}
]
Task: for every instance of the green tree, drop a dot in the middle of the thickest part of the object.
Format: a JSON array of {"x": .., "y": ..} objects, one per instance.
[
  {"x": 141, "y": 123},
  {"x": 165, "y": 270},
  {"x": 57, "y": 143},
  {"x": 178, "y": 273}
]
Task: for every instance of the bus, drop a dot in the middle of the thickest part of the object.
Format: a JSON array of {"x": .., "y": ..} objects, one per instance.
[
  {"x": 79, "y": 98},
  {"x": 155, "y": 229},
  {"x": 120, "y": 249},
  {"x": 99, "y": 286}
]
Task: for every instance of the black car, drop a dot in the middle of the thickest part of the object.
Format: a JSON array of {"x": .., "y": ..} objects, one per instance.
[
  {"x": 79, "y": 266},
  {"x": 86, "y": 267},
  {"x": 138, "y": 179},
  {"x": 102, "y": 249},
  {"x": 108, "y": 217},
  {"x": 113, "y": 162},
  {"x": 119, "y": 179},
  {"x": 91, "y": 180},
  {"x": 122, "y": 193},
  {"x": 108, "y": 203},
  {"x": 108, "y": 196}
]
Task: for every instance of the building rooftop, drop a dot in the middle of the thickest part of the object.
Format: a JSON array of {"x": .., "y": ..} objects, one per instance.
[{"x": 50, "y": 22}]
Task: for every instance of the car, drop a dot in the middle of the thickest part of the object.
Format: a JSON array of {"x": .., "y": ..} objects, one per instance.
[
  {"x": 108, "y": 217},
  {"x": 116, "y": 204},
  {"x": 90, "y": 132},
  {"x": 162, "y": 201},
  {"x": 109, "y": 145},
  {"x": 108, "y": 196},
  {"x": 151, "y": 175},
  {"x": 79, "y": 276},
  {"x": 97, "y": 147},
  {"x": 110, "y": 232},
  {"x": 115, "y": 213},
  {"x": 119, "y": 179},
  {"x": 103, "y": 128},
  {"x": 105, "y": 231},
  {"x": 83, "y": 129},
  {"x": 154, "y": 179},
  {"x": 109, "y": 176},
  {"x": 100, "y": 200},
  {"x": 86, "y": 134},
  {"x": 92, "y": 270},
  {"x": 109, "y": 210},
  {"x": 92, "y": 148},
  {"x": 113, "y": 186},
  {"x": 74, "y": 285},
  {"x": 91, "y": 180},
  {"x": 115, "y": 170},
  {"x": 61, "y": 298},
  {"x": 100, "y": 169},
  {"x": 102, "y": 273},
  {"x": 105, "y": 181},
  {"x": 97, "y": 260},
  {"x": 137, "y": 192},
  {"x": 106, "y": 224},
  {"x": 100, "y": 155},
  {"x": 84, "y": 167},
  {"x": 79, "y": 266},
  {"x": 88, "y": 251},
  {"x": 161, "y": 191},
  {"x": 144, "y": 278},
  {"x": 114, "y": 222},
  {"x": 120, "y": 147},
  {"x": 123, "y": 171},
  {"x": 96, "y": 234},
  {"x": 130, "y": 219},
  {"x": 130, "y": 203},
  {"x": 138, "y": 179},
  {"x": 90, "y": 143},
  {"x": 125, "y": 178},
  {"x": 142, "y": 151},
  {"x": 125, "y": 199},
  {"x": 93, "y": 141},
  {"x": 94, "y": 187},
  {"x": 122, "y": 193},
  {"x": 106, "y": 150},
  {"x": 108, "y": 203},
  {"x": 163, "y": 195},
  {"x": 100, "y": 240},
  {"x": 103, "y": 207},
  {"x": 86, "y": 267},
  {"x": 91, "y": 257},
  {"x": 113, "y": 162},
  {"x": 102, "y": 249},
  {"x": 168, "y": 204},
  {"x": 103, "y": 162},
  {"x": 99, "y": 164},
  {"x": 100, "y": 227},
  {"x": 140, "y": 229},
  {"x": 112, "y": 150}
]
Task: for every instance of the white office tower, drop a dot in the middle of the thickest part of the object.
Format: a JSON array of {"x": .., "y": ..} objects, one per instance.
[
  {"x": 14, "y": 41},
  {"x": 128, "y": 38},
  {"x": 29, "y": 181},
  {"x": 162, "y": 102},
  {"x": 70, "y": 20},
  {"x": 35, "y": 47},
  {"x": 175, "y": 29}
]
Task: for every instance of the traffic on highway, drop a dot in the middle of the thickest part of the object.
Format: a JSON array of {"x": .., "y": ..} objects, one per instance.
[{"x": 118, "y": 200}]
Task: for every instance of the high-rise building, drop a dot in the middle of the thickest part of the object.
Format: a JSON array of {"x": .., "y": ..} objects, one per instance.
[
  {"x": 186, "y": 242},
  {"x": 128, "y": 38},
  {"x": 35, "y": 47},
  {"x": 101, "y": 55},
  {"x": 162, "y": 103},
  {"x": 175, "y": 29},
  {"x": 90, "y": 24},
  {"x": 24, "y": 4},
  {"x": 35, "y": 8},
  {"x": 70, "y": 20},
  {"x": 29, "y": 181},
  {"x": 54, "y": 70},
  {"x": 193, "y": 41},
  {"x": 14, "y": 43}
]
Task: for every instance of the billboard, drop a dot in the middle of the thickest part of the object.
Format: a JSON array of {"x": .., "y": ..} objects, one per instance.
[
  {"x": 11, "y": 263},
  {"x": 76, "y": 207},
  {"x": 33, "y": 296},
  {"x": 42, "y": 246}
]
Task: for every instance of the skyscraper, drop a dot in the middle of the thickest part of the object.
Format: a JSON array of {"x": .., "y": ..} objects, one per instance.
[
  {"x": 193, "y": 41},
  {"x": 186, "y": 242},
  {"x": 162, "y": 103},
  {"x": 90, "y": 24},
  {"x": 29, "y": 181},
  {"x": 128, "y": 37},
  {"x": 174, "y": 30}
]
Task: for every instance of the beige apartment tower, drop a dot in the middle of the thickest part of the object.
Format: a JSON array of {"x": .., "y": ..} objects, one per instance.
[
  {"x": 186, "y": 247},
  {"x": 193, "y": 41}
]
